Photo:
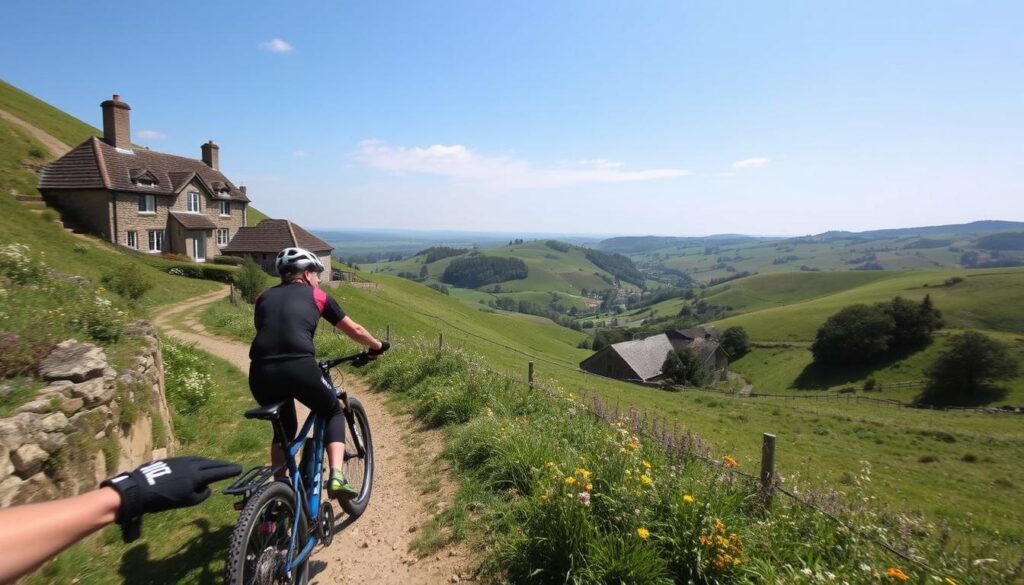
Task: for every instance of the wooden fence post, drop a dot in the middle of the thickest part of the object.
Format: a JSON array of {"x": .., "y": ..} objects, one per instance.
[
  {"x": 440, "y": 339},
  {"x": 387, "y": 335},
  {"x": 768, "y": 466},
  {"x": 529, "y": 374}
]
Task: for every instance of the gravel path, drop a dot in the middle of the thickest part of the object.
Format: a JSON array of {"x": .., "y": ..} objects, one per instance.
[{"x": 374, "y": 548}]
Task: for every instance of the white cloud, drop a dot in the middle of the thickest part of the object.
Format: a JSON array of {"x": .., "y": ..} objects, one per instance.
[
  {"x": 458, "y": 162},
  {"x": 757, "y": 162},
  {"x": 150, "y": 135},
  {"x": 277, "y": 46},
  {"x": 299, "y": 153}
]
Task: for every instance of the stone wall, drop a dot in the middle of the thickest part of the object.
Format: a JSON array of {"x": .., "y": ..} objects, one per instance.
[{"x": 89, "y": 422}]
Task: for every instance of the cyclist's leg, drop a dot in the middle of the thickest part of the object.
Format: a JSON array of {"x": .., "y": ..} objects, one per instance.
[
  {"x": 268, "y": 382},
  {"x": 319, "y": 395}
]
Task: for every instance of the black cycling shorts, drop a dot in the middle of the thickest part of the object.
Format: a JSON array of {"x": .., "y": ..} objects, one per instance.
[{"x": 301, "y": 379}]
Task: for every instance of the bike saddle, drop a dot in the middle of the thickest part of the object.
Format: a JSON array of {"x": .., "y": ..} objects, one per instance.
[{"x": 264, "y": 412}]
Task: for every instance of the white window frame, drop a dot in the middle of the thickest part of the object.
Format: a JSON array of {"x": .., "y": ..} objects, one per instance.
[
  {"x": 225, "y": 208},
  {"x": 156, "y": 241},
  {"x": 147, "y": 204},
  {"x": 132, "y": 239},
  {"x": 198, "y": 200},
  {"x": 223, "y": 237}
]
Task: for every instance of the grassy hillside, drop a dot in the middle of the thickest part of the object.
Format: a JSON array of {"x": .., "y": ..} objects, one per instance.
[
  {"x": 984, "y": 299},
  {"x": 56, "y": 123},
  {"x": 943, "y": 463}
]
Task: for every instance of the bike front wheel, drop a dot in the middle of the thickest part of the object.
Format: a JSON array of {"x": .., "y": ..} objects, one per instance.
[
  {"x": 259, "y": 543},
  {"x": 358, "y": 467}
]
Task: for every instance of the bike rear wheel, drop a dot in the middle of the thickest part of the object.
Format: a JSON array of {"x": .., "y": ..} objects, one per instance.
[
  {"x": 259, "y": 542},
  {"x": 358, "y": 469}
]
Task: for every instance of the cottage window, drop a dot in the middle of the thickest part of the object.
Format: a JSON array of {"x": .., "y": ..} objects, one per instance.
[
  {"x": 147, "y": 204},
  {"x": 133, "y": 240},
  {"x": 222, "y": 237},
  {"x": 193, "y": 201},
  {"x": 225, "y": 208},
  {"x": 156, "y": 240}
]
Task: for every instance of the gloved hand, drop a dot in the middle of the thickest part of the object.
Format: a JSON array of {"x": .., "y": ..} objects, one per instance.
[
  {"x": 165, "y": 484},
  {"x": 384, "y": 346}
]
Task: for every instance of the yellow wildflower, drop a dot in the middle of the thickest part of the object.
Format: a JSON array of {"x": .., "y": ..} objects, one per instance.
[
  {"x": 549, "y": 464},
  {"x": 896, "y": 574},
  {"x": 729, "y": 461},
  {"x": 570, "y": 480},
  {"x": 643, "y": 533},
  {"x": 588, "y": 487},
  {"x": 543, "y": 497},
  {"x": 646, "y": 464},
  {"x": 687, "y": 499},
  {"x": 582, "y": 473},
  {"x": 646, "y": 480}
]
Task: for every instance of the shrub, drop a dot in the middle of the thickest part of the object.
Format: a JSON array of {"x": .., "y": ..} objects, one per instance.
[
  {"x": 18, "y": 263},
  {"x": 36, "y": 151},
  {"x": 129, "y": 281},
  {"x": 250, "y": 280},
  {"x": 188, "y": 379},
  {"x": 736, "y": 342},
  {"x": 175, "y": 257},
  {"x": 861, "y": 333},
  {"x": 204, "y": 271},
  {"x": 962, "y": 374},
  {"x": 228, "y": 260},
  {"x": 683, "y": 366}
]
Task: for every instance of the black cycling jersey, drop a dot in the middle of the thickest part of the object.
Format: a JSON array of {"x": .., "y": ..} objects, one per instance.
[{"x": 286, "y": 319}]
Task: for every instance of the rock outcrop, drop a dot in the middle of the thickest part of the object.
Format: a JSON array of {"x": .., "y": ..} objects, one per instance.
[{"x": 89, "y": 422}]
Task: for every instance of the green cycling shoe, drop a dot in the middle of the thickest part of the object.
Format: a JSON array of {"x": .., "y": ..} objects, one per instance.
[{"x": 339, "y": 487}]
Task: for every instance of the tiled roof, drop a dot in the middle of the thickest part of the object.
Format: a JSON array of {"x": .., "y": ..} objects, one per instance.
[
  {"x": 193, "y": 221},
  {"x": 273, "y": 235},
  {"x": 646, "y": 356},
  {"x": 94, "y": 164}
]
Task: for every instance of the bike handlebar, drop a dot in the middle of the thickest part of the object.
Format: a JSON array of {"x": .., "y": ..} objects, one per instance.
[{"x": 357, "y": 359}]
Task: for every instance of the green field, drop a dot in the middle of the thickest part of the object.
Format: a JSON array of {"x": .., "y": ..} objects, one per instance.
[
  {"x": 56, "y": 123},
  {"x": 985, "y": 299}
]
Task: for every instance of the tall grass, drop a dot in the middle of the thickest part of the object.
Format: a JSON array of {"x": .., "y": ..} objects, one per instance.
[{"x": 565, "y": 497}]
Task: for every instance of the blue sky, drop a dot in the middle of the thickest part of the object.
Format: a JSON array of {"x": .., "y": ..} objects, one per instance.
[{"x": 680, "y": 118}]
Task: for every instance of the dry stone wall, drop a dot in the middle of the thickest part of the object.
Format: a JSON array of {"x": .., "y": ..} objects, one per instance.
[{"x": 89, "y": 422}]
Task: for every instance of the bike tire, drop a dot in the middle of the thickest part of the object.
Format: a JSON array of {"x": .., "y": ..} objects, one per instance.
[
  {"x": 363, "y": 476},
  {"x": 255, "y": 562}
]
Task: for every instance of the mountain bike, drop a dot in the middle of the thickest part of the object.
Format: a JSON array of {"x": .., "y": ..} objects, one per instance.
[{"x": 283, "y": 519}]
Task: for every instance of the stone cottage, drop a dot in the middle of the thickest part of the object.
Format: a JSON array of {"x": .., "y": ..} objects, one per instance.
[
  {"x": 146, "y": 200},
  {"x": 264, "y": 241}
]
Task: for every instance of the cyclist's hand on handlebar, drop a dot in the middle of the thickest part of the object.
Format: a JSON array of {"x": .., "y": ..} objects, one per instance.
[
  {"x": 384, "y": 346},
  {"x": 165, "y": 484}
]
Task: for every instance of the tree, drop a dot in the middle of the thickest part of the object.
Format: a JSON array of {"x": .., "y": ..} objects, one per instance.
[
  {"x": 250, "y": 280},
  {"x": 684, "y": 367},
  {"x": 913, "y": 323},
  {"x": 735, "y": 342},
  {"x": 964, "y": 372},
  {"x": 856, "y": 334}
]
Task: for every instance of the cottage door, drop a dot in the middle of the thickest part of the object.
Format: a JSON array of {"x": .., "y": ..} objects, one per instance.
[{"x": 199, "y": 247}]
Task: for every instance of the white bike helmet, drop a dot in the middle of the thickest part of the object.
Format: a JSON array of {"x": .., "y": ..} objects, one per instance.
[{"x": 297, "y": 260}]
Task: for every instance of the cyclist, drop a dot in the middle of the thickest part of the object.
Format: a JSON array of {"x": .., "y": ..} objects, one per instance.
[{"x": 283, "y": 363}]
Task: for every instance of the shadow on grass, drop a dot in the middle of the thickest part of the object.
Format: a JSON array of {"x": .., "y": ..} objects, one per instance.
[
  {"x": 983, "y": 395},
  {"x": 201, "y": 552},
  {"x": 818, "y": 376}
]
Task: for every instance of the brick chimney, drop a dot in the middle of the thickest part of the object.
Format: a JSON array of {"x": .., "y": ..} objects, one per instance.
[
  {"x": 243, "y": 189},
  {"x": 211, "y": 155},
  {"x": 116, "y": 128}
]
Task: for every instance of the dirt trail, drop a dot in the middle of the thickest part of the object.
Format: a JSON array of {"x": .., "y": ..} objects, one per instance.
[
  {"x": 56, "y": 147},
  {"x": 374, "y": 548}
]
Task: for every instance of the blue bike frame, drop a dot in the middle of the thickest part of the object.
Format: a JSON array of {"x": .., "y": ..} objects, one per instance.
[{"x": 308, "y": 504}]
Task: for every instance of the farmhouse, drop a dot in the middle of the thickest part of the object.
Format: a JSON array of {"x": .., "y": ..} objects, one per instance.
[
  {"x": 642, "y": 360},
  {"x": 142, "y": 199},
  {"x": 264, "y": 241}
]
